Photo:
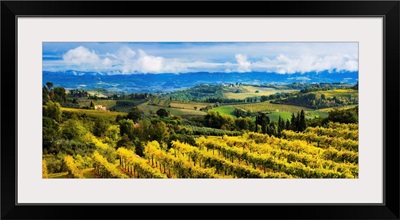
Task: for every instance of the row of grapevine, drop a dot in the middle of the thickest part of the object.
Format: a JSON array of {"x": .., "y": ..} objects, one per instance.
[
  {"x": 208, "y": 159},
  {"x": 137, "y": 166},
  {"x": 298, "y": 146},
  {"x": 73, "y": 170},
  {"x": 321, "y": 160},
  {"x": 343, "y": 126},
  {"x": 212, "y": 131},
  {"x": 322, "y": 141},
  {"x": 331, "y": 132},
  {"x": 177, "y": 166},
  {"x": 104, "y": 168},
  {"x": 341, "y": 155},
  {"x": 270, "y": 161}
]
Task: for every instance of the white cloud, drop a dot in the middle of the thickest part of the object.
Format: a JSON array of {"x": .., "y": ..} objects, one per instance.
[
  {"x": 107, "y": 62},
  {"x": 287, "y": 65},
  {"x": 125, "y": 54},
  {"x": 243, "y": 64},
  {"x": 130, "y": 61},
  {"x": 149, "y": 64},
  {"x": 351, "y": 65},
  {"x": 125, "y": 59},
  {"x": 81, "y": 55}
]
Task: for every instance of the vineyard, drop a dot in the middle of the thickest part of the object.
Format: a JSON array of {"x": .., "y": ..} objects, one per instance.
[{"x": 318, "y": 152}]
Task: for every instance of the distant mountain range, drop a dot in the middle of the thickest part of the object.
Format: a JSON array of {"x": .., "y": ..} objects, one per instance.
[{"x": 168, "y": 82}]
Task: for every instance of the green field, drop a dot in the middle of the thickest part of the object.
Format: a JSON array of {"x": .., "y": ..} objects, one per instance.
[
  {"x": 251, "y": 92},
  {"x": 274, "y": 116},
  {"x": 225, "y": 110},
  {"x": 270, "y": 107}
]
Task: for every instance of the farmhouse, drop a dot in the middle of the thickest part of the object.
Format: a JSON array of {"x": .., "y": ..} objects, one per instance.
[{"x": 100, "y": 107}]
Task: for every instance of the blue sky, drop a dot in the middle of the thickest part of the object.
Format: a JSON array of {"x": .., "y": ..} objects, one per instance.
[{"x": 182, "y": 57}]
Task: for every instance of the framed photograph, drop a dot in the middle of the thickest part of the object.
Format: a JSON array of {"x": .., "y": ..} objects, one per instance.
[{"x": 283, "y": 110}]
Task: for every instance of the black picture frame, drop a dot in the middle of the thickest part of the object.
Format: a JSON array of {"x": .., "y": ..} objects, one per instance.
[{"x": 11, "y": 10}]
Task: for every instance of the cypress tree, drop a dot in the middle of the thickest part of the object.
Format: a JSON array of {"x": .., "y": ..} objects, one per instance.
[
  {"x": 302, "y": 121},
  {"x": 281, "y": 123},
  {"x": 287, "y": 124},
  {"x": 298, "y": 121},
  {"x": 293, "y": 124},
  {"x": 91, "y": 105},
  {"x": 264, "y": 121}
]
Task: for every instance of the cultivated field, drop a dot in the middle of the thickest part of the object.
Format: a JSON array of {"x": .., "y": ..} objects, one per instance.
[
  {"x": 250, "y": 91},
  {"x": 152, "y": 109}
]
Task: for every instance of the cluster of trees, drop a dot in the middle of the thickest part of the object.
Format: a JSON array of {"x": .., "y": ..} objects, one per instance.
[
  {"x": 242, "y": 113},
  {"x": 51, "y": 123},
  {"x": 135, "y": 114},
  {"x": 266, "y": 126},
  {"x": 59, "y": 94},
  {"x": 346, "y": 116},
  {"x": 215, "y": 93},
  {"x": 263, "y": 98},
  {"x": 124, "y": 102},
  {"x": 223, "y": 100},
  {"x": 324, "y": 86},
  {"x": 278, "y": 95},
  {"x": 55, "y": 94},
  {"x": 137, "y": 96},
  {"x": 78, "y": 93},
  {"x": 319, "y": 100},
  {"x": 307, "y": 86},
  {"x": 66, "y": 133},
  {"x": 163, "y": 130},
  {"x": 261, "y": 124},
  {"x": 224, "y": 122},
  {"x": 198, "y": 93}
]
